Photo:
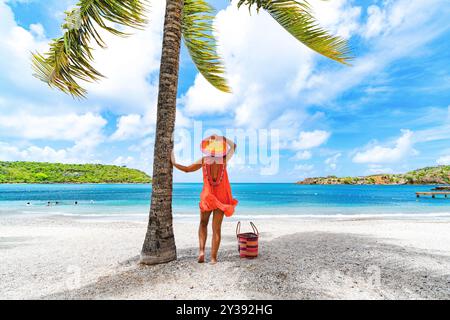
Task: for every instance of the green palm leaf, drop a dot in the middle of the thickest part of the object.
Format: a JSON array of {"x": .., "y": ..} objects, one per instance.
[
  {"x": 197, "y": 33},
  {"x": 297, "y": 19},
  {"x": 70, "y": 57}
]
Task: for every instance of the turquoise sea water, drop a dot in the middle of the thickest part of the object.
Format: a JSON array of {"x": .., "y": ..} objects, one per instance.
[{"x": 255, "y": 200}]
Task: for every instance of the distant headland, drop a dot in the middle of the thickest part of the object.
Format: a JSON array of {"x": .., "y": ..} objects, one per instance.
[
  {"x": 429, "y": 175},
  {"x": 42, "y": 172}
]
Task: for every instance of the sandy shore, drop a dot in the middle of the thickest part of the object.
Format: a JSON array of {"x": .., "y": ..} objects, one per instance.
[{"x": 66, "y": 258}]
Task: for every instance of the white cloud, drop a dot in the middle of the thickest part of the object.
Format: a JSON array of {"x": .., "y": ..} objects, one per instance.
[
  {"x": 16, "y": 43},
  {"x": 303, "y": 155},
  {"x": 374, "y": 169},
  {"x": 392, "y": 33},
  {"x": 29, "y": 110},
  {"x": 312, "y": 139},
  {"x": 273, "y": 77},
  {"x": 402, "y": 148},
  {"x": 203, "y": 98},
  {"x": 69, "y": 127},
  {"x": 9, "y": 152},
  {"x": 289, "y": 122},
  {"x": 129, "y": 127},
  {"x": 264, "y": 63},
  {"x": 375, "y": 22},
  {"x": 332, "y": 161},
  {"x": 437, "y": 132},
  {"x": 443, "y": 161},
  {"x": 124, "y": 161},
  {"x": 38, "y": 30},
  {"x": 337, "y": 16},
  {"x": 135, "y": 126},
  {"x": 131, "y": 67},
  {"x": 304, "y": 167}
]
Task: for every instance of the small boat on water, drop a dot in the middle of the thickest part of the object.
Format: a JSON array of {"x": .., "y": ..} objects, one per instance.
[{"x": 441, "y": 188}]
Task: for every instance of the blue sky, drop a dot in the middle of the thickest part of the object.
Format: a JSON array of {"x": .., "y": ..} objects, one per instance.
[{"x": 389, "y": 112}]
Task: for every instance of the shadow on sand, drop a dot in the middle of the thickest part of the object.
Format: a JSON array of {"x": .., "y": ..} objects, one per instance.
[{"x": 314, "y": 265}]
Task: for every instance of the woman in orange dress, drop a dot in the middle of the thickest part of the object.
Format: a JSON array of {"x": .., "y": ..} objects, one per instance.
[{"x": 216, "y": 195}]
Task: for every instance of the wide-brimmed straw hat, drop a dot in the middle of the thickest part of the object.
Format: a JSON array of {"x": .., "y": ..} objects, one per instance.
[{"x": 214, "y": 147}]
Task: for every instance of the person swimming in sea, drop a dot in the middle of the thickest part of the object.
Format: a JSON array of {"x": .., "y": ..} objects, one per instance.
[{"x": 216, "y": 196}]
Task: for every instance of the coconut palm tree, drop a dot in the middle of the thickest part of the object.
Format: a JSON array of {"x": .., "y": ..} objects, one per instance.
[{"x": 70, "y": 60}]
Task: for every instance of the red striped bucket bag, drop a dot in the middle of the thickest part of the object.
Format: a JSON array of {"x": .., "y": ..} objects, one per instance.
[{"x": 247, "y": 242}]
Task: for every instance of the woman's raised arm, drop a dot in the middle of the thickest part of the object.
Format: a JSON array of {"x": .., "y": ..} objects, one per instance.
[
  {"x": 232, "y": 148},
  {"x": 192, "y": 168}
]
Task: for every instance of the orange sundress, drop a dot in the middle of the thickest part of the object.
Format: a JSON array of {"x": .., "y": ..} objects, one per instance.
[{"x": 217, "y": 194}]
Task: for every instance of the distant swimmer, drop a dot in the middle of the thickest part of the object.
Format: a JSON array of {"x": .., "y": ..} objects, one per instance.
[
  {"x": 76, "y": 202},
  {"x": 28, "y": 204},
  {"x": 57, "y": 202},
  {"x": 49, "y": 204}
]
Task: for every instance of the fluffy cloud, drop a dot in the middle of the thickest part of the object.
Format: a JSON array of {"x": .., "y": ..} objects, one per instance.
[
  {"x": 265, "y": 64},
  {"x": 443, "y": 161},
  {"x": 68, "y": 127},
  {"x": 9, "y": 152},
  {"x": 135, "y": 126},
  {"x": 37, "y": 30},
  {"x": 332, "y": 161},
  {"x": 388, "y": 29},
  {"x": 304, "y": 167},
  {"x": 129, "y": 127},
  {"x": 402, "y": 148},
  {"x": 312, "y": 139},
  {"x": 376, "y": 21},
  {"x": 439, "y": 131},
  {"x": 124, "y": 161},
  {"x": 303, "y": 155},
  {"x": 275, "y": 81},
  {"x": 131, "y": 67},
  {"x": 203, "y": 98},
  {"x": 378, "y": 169},
  {"x": 16, "y": 43},
  {"x": 267, "y": 68},
  {"x": 338, "y": 16}
]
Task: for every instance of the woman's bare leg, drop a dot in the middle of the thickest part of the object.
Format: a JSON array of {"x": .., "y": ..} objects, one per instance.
[
  {"x": 217, "y": 231},
  {"x": 202, "y": 235}
]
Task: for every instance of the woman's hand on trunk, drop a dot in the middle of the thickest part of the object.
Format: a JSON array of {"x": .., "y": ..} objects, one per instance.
[{"x": 172, "y": 159}]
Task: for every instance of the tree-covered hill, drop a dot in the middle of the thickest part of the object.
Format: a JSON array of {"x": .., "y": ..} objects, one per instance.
[
  {"x": 429, "y": 175},
  {"x": 39, "y": 172}
]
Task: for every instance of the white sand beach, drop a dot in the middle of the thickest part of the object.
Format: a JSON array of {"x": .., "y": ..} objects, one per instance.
[{"x": 371, "y": 258}]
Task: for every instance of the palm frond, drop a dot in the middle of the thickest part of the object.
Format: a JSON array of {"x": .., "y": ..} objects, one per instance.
[
  {"x": 297, "y": 18},
  {"x": 197, "y": 33},
  {"x": 69, "y": 58}
]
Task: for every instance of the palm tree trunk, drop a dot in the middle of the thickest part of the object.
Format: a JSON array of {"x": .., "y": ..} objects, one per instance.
[{"x": 159, "y": 245}]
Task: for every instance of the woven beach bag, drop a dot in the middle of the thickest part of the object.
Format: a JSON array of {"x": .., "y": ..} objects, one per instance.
[{"x": 247, "y": 242}]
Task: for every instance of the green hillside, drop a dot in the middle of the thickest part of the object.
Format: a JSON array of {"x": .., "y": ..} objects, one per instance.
[
  {"x": 38, "y": 172},
  {"x": 429, "y": 175}
]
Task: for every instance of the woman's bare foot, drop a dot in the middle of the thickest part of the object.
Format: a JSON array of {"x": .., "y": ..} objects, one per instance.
[
  {"x": 201, "y": 257},
  {"x": 213, "y": 261}
]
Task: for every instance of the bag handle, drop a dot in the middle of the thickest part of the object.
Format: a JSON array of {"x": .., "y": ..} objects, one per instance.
[
  {"x": 254, "y": 228},
  {"x": 238, "y": 228}
]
